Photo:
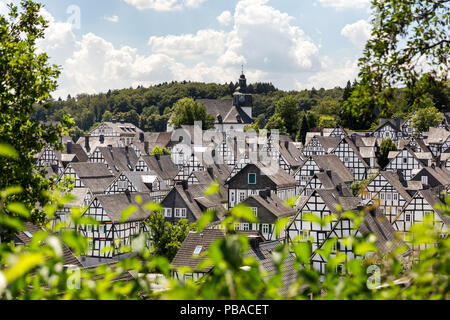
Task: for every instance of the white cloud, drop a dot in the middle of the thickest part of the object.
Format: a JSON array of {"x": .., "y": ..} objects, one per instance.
[
  {"x": 265, "y": 40},
  {"x": 357, "y": 33},
  {"x": 164, "y": 5},
  {"x": 113, "y": 19},
  {"x": 345, "y": 4},
  {"x": 225, "y": 18},
  {"x": 3, "y": 9},
  {"x": 332, "y": 75},
  {"x": 204, "y": 42}
]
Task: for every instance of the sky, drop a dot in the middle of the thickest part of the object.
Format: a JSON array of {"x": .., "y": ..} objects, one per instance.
[{"x": 114, "y": 44}]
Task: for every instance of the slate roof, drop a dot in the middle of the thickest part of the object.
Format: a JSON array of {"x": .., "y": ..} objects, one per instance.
[
  {"x": 273, "y": 204},
  {"x": 430, "y": 196},
  {"x": 184, "y": 256},
  {"x": 332, "y": 199},
  {"x": 441, "y": 175},
  {"x": 281, "y": 178},
  {"x": 136, "y": 178},
  {"x": 95, "y": 142},
  {"x": 332, "y": 180},
  {"x": 263, "y": 254},
  {"x": 162, "y": 165},
  {"x": 115, "y": 204},
  {"x": 119, "y": 158},
  {"x": 435, "y": 136},
  {"x": 375, "y": 222},
  {"x": 94, "y": 176},
  {"x": 333, "y": 163},
  {"x": 397, "y": 181},
  {"x": 125, "y": 128},
  {"x": 328, "y": 143},
  {"x": 226, "y": 110},
  {"x": 23, "y": 238}
]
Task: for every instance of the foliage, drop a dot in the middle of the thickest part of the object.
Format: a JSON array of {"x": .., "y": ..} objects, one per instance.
[
  {"x": 166, "y": 237},
  {"x": 26, "y": 80},
  {"x": 186, "y": 111},
  {"x": 386, "y": 146},
  {"x": 287, "y": 109},
  {"x": 327, "y": 122},
  {"x": 425, "y": 118},
  {"x": 408, "y": 47},
  {"x": 161, "y": 151},
  {"x": 253, "y": 126},
  {"x": 276, "y": 122}
]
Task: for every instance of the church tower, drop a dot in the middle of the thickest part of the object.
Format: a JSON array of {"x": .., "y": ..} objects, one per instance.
[{"x": 241, "y": 98}]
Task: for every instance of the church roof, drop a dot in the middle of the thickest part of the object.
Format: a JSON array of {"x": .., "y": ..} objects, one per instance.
[{"x": 225, "y": 108}]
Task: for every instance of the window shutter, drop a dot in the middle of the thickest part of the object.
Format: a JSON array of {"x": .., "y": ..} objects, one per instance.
[
  {"x": 250, "y": 226},
  {"x": 270, "y": 228},
  {"x": 260, "y": 227}
]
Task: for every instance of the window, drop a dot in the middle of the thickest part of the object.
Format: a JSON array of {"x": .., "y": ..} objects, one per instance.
[
  {"x": 183, "y": 212},
  {"x": 168, "y": 212},
  {"x": 265, "y": 228},
  {"x": 311, "y": 172},
  {"x": 197, "y": 250},
  {"x": 177, "y": 212},
  {"x": 424, "y": 180},
  {"x": 245, "y": 226},
  {"x": 405, "y": 160},
  {"x": 232, "y": 196},
  {"x": 241, "y": 196},
  {"x": 345, "y": 159},
  {"x": 252, "y": 178},
  {"x": 122, "y": 184},
  {"x": 255, "y": 211},
  {"x": 395, "y": 195},
  {"x": 388, "y": 196},
  {"x": 408, "y": 217}
]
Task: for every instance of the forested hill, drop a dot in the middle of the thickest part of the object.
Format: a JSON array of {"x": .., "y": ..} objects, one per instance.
[{"x": 150, "y": 108}]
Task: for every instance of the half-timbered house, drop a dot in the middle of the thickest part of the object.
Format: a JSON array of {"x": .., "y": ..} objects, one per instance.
[
  {"x": 268, "y": 208},
  {"x": 116, "y": 159},
  {"x": 423, "y": 203},
  {"x": 389, "y": 128},
  {"x": 390, "y": 192},
  {"x": 350, "y": 156},
  {"x": 111, "y": 233},
  {"x": 321, "y": 203},
  {"x": 437, "y": 140},
  {"x": 255, "y": 177},
  {"x": 434, "y": 178},
  {"x": 320, "y": 145},
  {"x": 316, "y": 164},
  {"x": 325, "y": 180},
  {"x": 407, "y": 161},
  {"x": 162, "y": 165}
]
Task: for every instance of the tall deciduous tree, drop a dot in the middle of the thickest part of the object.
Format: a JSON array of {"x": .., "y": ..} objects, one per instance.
[
  {"x": 26, "y": 81},
  {"x": 409, "y": 38},
  {"x": 288, "y": 110},
  {"x": 186, "y": 111},
  {"x": 425, "y": 118},
  {"x": 386, "y": 146}
]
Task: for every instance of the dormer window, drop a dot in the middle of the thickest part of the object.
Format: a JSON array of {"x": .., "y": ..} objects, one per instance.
[
  {"x": 252, "y": 178},
  {"x": 424, "y": 180}
]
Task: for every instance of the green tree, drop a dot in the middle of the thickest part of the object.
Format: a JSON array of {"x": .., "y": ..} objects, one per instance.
[
  {"x": 161, "y": 151},
  {"x": 26, "y": 79},
  {"x": 386, "y": 146},
  {"x": 304, "y": 128},
  {"x": 253, "y": 126},
  {"x": 288, "y": 109},
  {"x": 403, "y": 32},
  {"x": 425, "y": 118},
  {"x": 107, "y": 116},
  {"x": 276, "y": 122},
  {"x": 166, "y": 237},
  {"x": 186, "y": 111},
  {"x": 75, "y": 133},
  {"x": 327, "y": 122},
  {"x": 327, "y": 107}
]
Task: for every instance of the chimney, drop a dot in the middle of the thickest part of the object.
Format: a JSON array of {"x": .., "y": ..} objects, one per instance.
[
  {"x": 141, "y": 136},
  {"x": 110, "y": 151},
  {"x": 102, "y": 139},
  {"x": 146, "y": 147},
  {"x": 122, "y": 121},
  {"x": 157, "y": 156},
  {"x": 184, "y": 183},
  {"x": 69, "y": 147},
  {"x": 286, "y": 144},
  {"x": 328, "y": 173},
  {"x": 113, "y": 120},
  {"x": 254, "y": 241},
  {"x": 210, "y": 172},
  {"x": 127, "y": 149},
  {"x": 86, "y": 143}
]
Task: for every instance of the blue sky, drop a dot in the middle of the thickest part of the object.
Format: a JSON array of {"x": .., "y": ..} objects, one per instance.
[{"x": 297, "y": 44}]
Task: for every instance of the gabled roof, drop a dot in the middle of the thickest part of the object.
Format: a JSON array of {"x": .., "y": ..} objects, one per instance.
[
  {"x": 355, "y": 150},
  {"x": 184, "y": 256},
  {"x": 396, "y": 180},
  {"x": 95, "y": 176},
  {"x": 333, "y": 163},
  {"x": 24, "y": 238},
  {"x": 141, "y": 179},
  {"x": 119, "y": 159},
  {"x": 332, "y": 180},
  {"x": 375, "y": 222},
  {"x": 95, "y": 142},
  {"x": 328, "y": 143},
  {"x": 433, "y": 200},
  {"x": 121, "y": 127},
  {"x": 332, "y": 199},
  {"x": 162, "y": 165},
  {"x": 441, "y": 175},
  {"x": 226, "y": 110},
  {"x": 273, "y": 204},
  {"x": 263, "y": 254},
  {"x": 278, "y": 177},
  {"x": 291, "y": 154},
  {"x": 436, "y": 135},
  {"x": 115, "y": 204}
]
